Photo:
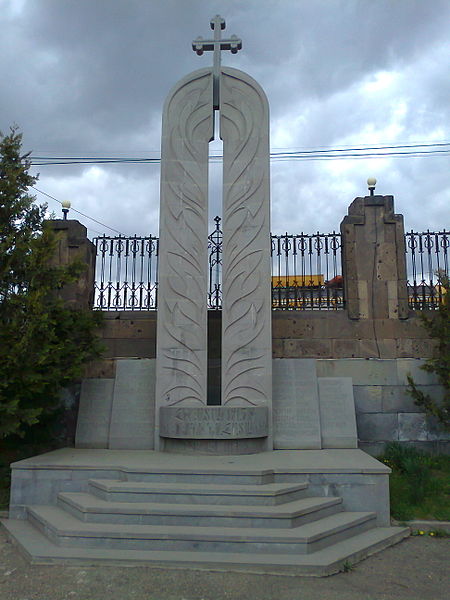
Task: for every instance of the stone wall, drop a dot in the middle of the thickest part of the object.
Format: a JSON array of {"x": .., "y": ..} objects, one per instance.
[
  {"x": 295, "y": 334},
  {"x": 384, "y": 410},
  {"x": 376, "y": 339}
]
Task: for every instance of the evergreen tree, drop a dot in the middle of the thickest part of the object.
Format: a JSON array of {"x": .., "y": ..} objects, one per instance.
[
  {"x": 43, "y": 342},
  {"x": 439, "y": 329}
]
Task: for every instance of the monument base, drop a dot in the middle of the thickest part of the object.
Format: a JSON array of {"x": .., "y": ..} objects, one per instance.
[
  {"x": 303, "y": 512},
  {"x": 214, "y": 447},
  {"x": 214, "y": 429}
]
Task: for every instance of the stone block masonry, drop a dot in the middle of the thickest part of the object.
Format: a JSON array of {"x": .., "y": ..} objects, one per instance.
[{"x": 384, "y": 410}]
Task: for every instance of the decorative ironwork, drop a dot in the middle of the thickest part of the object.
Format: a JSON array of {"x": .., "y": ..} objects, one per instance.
[
  {"x": 306, "y": 272},
  {"x": 215, "y": 267},
  {"x": 427, "y": 259},
  {"x": 126, "y": 273}
]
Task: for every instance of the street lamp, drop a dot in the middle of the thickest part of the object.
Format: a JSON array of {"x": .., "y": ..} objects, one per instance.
[
  {"x": 65, "y": 208},
  {"x": 371, "y": 183}
]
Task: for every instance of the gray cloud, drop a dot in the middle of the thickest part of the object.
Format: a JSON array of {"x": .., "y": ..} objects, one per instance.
[{"x": 85, "y": 77}]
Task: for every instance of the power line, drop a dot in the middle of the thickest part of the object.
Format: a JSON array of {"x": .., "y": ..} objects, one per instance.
[
  {"x": 410, "y": 150},
  {"x": 403, "y": 150},
  {"x": 78, "y": 211}
]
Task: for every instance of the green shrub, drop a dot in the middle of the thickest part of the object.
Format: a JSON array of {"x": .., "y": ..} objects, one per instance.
[
  {"x": 419, "y": 483},
  {"x": 438, "y": 328},
  {"x": 44, "y": 343}
]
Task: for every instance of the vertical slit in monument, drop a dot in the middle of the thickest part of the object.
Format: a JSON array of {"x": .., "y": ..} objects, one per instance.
[{"x": 215, "y": 186}]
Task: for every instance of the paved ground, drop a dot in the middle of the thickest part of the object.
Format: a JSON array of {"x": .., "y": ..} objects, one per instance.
[{"x": 415, "y": 569}]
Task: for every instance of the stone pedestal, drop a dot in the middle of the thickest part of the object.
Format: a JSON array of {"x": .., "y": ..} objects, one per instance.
[
  {"x": 73, "y": 244},
  {"x": 373, "y": 255}
]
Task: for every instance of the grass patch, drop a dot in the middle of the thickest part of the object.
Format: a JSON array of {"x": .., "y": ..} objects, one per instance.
[{"x": 419, "y": 483}]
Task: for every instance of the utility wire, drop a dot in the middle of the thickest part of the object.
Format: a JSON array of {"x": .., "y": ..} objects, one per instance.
[
  {"x": 326, "y": 154},
  {"x": 411, "y": 150},
  {"x": 78, "y": 211}
]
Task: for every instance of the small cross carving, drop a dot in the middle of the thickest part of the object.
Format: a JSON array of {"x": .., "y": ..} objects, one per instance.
[{"x": 233, "y": 43}]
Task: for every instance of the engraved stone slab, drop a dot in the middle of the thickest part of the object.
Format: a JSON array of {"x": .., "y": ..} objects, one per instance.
[
  {"x": 247, "y": 303},
  {"x": 337, "y": 412},
  {"x": 296, "y": 420},
  {"x": 94, "y": 413},
  {"x": 133, "y": 407},
  {"x": 183, "y": 244},
  {"x": 213, "y": 422}
]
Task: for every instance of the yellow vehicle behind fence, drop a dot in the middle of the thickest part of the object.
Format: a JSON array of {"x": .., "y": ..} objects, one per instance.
[{"x": 306, "y": 292}]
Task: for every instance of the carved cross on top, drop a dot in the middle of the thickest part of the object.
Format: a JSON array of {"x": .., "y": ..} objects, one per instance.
[{"x": 233, "y": 43}]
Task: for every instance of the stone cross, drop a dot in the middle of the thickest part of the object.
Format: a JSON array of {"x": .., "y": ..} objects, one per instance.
[
  {"x": 185, "y": 422},
  {"x": 216, "y": 45}
]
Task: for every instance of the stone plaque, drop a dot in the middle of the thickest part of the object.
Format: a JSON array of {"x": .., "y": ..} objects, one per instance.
[
  {"x": 337, "y": 412},
  {"x": 94, "y": 413},
  {"x": 296, "y": 421},
  {"x": 133, "y": 406},
  {"x": 213, "y": 422}
]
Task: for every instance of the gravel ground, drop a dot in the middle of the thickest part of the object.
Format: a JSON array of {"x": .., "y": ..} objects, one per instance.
[{"x": 415, "y": 569}]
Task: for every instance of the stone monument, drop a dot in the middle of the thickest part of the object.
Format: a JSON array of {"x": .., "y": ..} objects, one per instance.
[
  {"x": 310, "y": 506},
  {"x": 184, "y": 421}
]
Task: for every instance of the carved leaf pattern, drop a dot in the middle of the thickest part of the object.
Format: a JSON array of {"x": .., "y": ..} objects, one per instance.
[
  {"x": 246, "y": 314},
  {"x": 182, "y": 325}
]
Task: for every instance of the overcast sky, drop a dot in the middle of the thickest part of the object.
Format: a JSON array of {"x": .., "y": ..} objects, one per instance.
[{"x": 89, "y": 78}]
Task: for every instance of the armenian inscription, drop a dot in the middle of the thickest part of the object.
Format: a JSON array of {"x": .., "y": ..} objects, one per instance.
[
  {"x": 296, "y": 420},
  {"x": 213, "y": 422}
]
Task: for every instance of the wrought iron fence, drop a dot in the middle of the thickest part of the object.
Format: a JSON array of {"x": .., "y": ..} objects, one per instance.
[
  {"x": 306, "y": 272},
  {"x": 215, "y": 267},
  {"x": 126, "y": 273},
  {"x": 427, "y": 259}
]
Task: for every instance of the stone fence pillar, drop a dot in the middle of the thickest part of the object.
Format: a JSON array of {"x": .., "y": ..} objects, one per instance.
[
  {"x": 73, "y": 244},
  {"x": 373, "y": 260}
]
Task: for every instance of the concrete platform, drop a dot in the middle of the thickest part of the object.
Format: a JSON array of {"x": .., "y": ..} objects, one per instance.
[
  {"x": 283, "y": 461},
  {"x": 38, "y": 549},
  {"x": 359, "y": 479},
  {"x": 299, "y": 511}
]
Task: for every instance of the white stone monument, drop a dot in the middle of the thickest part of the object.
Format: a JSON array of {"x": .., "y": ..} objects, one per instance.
[
  {"x": 310, "y": 507},
  {"x": 242, "y": 422}
]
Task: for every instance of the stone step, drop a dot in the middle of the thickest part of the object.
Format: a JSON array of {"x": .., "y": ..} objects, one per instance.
[
  {"x": 219, "y": 475},
  {"x": 196, "y": 493},
  {"x": 41, "y": 550},
  {"x": 64, "y": 529},
  {"x": 87, "y": 507}
]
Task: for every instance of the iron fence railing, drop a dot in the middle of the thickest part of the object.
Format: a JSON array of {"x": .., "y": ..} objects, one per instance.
[
  {"x": 427, "y": 259},
  {"x": 126, "y": 273},
  {"x": 306, "y": 272}
]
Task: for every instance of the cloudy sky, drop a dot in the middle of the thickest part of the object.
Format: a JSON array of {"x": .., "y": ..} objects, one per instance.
[{"x": 88, "y": 78}]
